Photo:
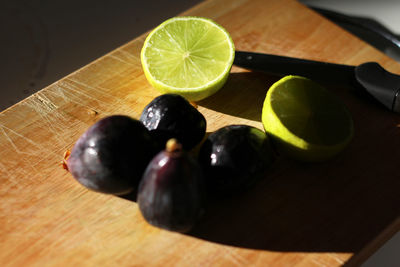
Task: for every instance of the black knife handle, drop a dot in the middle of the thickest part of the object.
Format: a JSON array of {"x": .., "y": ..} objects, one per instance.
[{"x": 327, "y": 73}]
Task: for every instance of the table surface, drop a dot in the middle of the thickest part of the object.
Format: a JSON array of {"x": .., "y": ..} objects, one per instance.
[{"x": 299, "y": 215}]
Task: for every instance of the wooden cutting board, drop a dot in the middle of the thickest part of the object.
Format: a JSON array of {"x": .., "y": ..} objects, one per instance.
[{"x": 298, "y": 215}]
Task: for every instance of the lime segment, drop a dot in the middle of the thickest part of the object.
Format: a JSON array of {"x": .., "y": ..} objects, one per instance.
[
  {"x": 305, "y": 120},
  {"x": 190, "y": 56}
]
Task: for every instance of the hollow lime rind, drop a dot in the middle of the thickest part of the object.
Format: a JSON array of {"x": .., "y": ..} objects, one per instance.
[
  {"x": 191, "y": 93},
  {"x": 294, "y": 146}
]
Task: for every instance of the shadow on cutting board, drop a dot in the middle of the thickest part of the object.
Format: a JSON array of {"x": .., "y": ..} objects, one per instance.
[
  {"x": 303, "y": 207},
  {"x": 242, "y": 96},
  {"x": 337, "y": 206}
]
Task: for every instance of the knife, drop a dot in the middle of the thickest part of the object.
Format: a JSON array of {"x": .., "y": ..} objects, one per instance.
[{"x": 381, "y": 84}]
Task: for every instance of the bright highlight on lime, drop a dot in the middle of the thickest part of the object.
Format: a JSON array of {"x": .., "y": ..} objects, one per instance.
[
  {"x": 305, "y": 120},
  {"x": 189, "y": 56}
]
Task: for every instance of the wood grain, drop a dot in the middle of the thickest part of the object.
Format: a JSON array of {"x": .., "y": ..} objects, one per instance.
[{"x": 299, "y": 215}]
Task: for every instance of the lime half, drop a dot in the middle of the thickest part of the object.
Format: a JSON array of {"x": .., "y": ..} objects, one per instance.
[
  {"x": 305, "y": 120},
  {"x": 190, "y": 56}
]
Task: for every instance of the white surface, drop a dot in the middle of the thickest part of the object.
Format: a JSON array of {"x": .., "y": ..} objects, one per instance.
[
  {"x": 386, "y": 12},
  {"x": 44, "y": 40},
  {"x": 387, "y": 256}
]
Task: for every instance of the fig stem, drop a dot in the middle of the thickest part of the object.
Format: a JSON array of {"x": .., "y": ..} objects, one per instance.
[
  {"x": 173, "y": 145},
  {"x": 64, "y": 162}
]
